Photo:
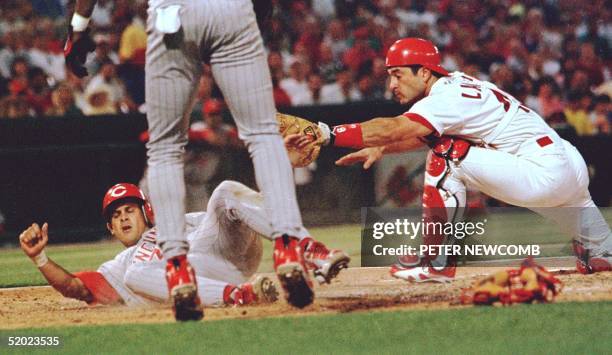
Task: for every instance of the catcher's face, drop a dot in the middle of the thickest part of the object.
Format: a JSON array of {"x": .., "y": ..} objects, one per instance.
[
  {"x": 127, "y": 223},
  {"x": 405, "y": 85}
]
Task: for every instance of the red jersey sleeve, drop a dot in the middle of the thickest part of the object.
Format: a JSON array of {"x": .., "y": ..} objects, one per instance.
[{"x": 102, "y": 291}]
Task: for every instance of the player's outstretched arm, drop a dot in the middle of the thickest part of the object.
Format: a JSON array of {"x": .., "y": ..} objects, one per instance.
[
  {"x": 372, "y": 154},
  {"x": 376, "y": 132},
  {"x": 384, "y": 131},
  {"x": 33, "y": 241}
]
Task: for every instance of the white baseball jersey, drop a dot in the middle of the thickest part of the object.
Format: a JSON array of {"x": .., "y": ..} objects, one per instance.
[
  {"x": 460, "y": 105},
  {"x": 146, "y": 250}
]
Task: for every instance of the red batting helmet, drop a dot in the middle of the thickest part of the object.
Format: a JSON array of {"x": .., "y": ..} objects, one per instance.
[
  {"x": 124, "y": 191},
  {"x": 415, "y": 51}
]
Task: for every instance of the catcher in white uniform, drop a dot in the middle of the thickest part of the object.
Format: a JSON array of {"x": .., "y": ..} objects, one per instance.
[
  {"x": 225, "y": 249},
  {"x": 479, "y": 136}
]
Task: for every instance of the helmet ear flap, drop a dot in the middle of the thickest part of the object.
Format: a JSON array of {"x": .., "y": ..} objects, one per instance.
[{"x": 147, "y": 211}]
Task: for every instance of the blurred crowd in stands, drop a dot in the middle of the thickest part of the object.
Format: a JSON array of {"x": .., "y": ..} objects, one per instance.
[{"x": 554, "y": 55}]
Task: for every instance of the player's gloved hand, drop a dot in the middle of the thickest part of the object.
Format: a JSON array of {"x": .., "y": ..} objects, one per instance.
[
  {"x": 303, "y": 139},
  {"x": 78, "y": 45},
  {"x": 34, "y": 239}
]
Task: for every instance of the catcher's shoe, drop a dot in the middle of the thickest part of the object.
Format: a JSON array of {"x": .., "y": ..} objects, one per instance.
[
  {"x": 183, "y": 289},
  {"x": 588, "y": 262},
  {"x": 424, "y": 273},
  {"x": 325, "y": 263},
  {"x": 410, "y": 260},
  {"x": 292, "y": 272},
  {"x": 260, "y": 290}
]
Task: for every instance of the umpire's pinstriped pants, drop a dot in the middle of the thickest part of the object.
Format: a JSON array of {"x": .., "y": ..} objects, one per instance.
[{"x": 225, "y": 33}]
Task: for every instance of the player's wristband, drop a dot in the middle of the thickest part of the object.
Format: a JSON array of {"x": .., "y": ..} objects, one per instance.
[
  {"x": 347, "y": 136},
  {"x": 79, "y": 23},
  {"x": 326, "y": 132},
  {"x": 41, "y": 259}
]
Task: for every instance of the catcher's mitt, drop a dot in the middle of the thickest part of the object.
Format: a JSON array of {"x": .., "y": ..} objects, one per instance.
[
  {"x": 530, "y": 283},
  {"x": 296, "y": 125}
]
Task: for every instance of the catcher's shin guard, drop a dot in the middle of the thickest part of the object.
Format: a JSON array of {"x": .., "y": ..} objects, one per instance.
[
  {"x": 444, "y": 196},
  {"x": 444, "y": 199}
]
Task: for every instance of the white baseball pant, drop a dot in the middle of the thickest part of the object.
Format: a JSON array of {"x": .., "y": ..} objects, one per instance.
[{"x": 551, "y": 181}]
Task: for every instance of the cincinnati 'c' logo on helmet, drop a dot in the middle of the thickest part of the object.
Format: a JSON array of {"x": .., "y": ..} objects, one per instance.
[{"x": 118, "y": 191}]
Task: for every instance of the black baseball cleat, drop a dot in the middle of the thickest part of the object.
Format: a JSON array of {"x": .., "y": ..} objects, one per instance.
[{"x": 185, "y": 306}]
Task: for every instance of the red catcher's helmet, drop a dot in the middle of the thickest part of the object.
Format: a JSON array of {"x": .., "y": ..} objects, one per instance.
[
  {"x": 124, "y": 191},
  {"x": 415, "y": 51}
]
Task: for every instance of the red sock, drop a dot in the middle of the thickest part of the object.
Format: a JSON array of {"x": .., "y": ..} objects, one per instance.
[{"x": 227, "y": 294}]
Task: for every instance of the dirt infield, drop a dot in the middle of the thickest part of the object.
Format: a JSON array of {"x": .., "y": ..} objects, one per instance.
[{"x": 356, "y": 289}]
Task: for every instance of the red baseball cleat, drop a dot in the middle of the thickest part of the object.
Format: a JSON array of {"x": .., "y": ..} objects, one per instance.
[
  {"x": 292, "y": 272},
  {"x": 325, "y": 263},
  {"x": 183, "y": 289},
  {"x": 260, "y": 290}
]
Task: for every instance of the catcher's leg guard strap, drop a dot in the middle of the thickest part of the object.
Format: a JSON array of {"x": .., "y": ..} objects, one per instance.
[{"x": 442, "y": 190}]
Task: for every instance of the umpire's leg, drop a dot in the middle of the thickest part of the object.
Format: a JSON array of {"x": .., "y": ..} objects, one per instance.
[
  {"x": 172, "y": 70},
  {"x": 241, "y": 71}
]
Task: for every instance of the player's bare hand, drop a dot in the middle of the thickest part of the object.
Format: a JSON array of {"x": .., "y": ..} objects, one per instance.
[
  {"x": 34, "y": 239},
  {"x": 367, "y": 155},
  {"x": 298, "y": 140}
]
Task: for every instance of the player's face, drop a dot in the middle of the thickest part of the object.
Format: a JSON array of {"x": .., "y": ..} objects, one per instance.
[
  {"x": 127, "y": 223},
  {"x": 405, "y": 85}
]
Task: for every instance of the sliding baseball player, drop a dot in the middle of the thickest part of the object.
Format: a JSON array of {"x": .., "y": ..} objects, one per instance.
[
  {"x": 225, "y": 249},
  {"x": 181, "y": 36}
]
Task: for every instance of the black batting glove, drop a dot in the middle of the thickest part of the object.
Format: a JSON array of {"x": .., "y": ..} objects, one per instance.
[{"x": 78, "y": 45}]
